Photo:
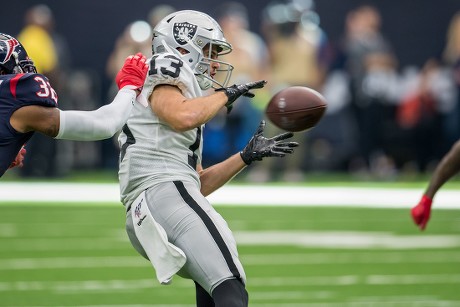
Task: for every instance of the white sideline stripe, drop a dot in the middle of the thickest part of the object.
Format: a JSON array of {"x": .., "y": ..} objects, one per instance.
[
  {"x": 254, "y": 195},
  {"x": 12, "y": 264}
]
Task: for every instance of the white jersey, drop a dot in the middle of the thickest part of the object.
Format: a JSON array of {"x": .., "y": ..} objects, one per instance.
[{"x": 152, "y": 152}]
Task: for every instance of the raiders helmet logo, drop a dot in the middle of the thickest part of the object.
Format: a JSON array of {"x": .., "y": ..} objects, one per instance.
[{"x": 183, "y": 32}]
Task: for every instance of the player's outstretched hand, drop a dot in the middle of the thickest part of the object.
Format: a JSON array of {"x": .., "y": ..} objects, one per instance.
[
  {"x": 260, "y": 146},
  {"x": 236, "y": 90},
  {"x": 18, "y": 162},
  {"x": 133, "y": 73},
  {"x": 421, "y": 212}
]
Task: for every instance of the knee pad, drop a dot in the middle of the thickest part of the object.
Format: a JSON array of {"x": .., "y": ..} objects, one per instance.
[{"x": 230, "y": 293}]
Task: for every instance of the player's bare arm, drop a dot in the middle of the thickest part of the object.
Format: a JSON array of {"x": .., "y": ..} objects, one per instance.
[
  {"x": 215, "y": 176},
  {"x": 36, "y": 118},
  {"x": 184, "y": 114},
  {"x": 447, "y": 168},
  {"x": 86, "y": 125},
  {"x": 257, "y": 148}
]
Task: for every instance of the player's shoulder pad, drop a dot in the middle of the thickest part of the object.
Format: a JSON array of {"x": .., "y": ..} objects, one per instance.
[
  {"x": 33, "y": 80},
  {"x": 168, "y": 68},
  {"x": 32, "y": 76},
  {"x": 35, "y": 87},
  {"x": 166, "y": 65}
]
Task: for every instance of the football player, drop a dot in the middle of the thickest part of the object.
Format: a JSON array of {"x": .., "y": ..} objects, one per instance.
[
  {"x": 163, "y": 185},
  {"x": 446, "y": 169},
  {"x": 29, "y": 104}
]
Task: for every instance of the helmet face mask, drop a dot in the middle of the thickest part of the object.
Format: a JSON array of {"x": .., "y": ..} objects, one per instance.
[
  {"x": 189, "y": 34},
  {"x": 13, "y": 57}
]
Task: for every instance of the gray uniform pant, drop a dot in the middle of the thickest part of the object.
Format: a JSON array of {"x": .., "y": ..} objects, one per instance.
[{"x": 194, "y": 226}]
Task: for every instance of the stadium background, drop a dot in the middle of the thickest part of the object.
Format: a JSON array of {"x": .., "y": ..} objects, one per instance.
[
  {"x": 91, "y": 28},
  {"x": 416, "y": 28}
]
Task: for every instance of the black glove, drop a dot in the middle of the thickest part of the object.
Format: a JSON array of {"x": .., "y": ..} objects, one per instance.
[
  {"x": 235, "y": 91},
  {"x": 260, "y": 147}
]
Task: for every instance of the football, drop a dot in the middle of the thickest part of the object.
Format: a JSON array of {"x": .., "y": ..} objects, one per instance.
[{"x": 296, "y": 108}]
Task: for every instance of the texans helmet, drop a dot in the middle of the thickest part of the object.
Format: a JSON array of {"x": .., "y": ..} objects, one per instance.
[{"x": 13, "y": 57}]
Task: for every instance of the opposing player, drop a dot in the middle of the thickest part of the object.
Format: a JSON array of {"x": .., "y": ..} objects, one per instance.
[
  {"x": 163, "y": 185},
  {"x": 29, "y": 104},
  {"x": 446, "y": 169}
]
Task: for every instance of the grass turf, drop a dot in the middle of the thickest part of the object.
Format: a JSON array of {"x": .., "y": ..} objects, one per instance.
[{"x": 73, "y": 255}]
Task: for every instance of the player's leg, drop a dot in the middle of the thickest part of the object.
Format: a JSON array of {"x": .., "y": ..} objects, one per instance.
[
  {"x": 193, "y": 225},
  {"x": 230, "y": 293},
  {"x": 203, "y": 299}
]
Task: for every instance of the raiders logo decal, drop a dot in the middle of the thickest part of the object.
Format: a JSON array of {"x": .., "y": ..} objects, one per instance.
[{"x": 183, "y": 32}]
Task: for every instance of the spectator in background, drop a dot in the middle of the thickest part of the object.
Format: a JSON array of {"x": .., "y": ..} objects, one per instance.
[
  {"x": 52, "y": 58},
  {"x": 37, "y": 38},
  {"x": 250, "y": 56},
  {"x": 429, "y": 113},
  {"x": 136, "y": 37},
  {"x": 371, "y": 66},
  {"x": 296, "y": 46},
  {"x": 418, "y": 116}
]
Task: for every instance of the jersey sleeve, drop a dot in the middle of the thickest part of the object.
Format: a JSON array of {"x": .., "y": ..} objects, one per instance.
[
  {"x": 33, "y": 89},
  {"x": 167, "y": 69}
]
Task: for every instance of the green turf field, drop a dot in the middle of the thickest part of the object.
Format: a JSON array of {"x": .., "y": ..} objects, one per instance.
[{"x": 73, "y": 255}]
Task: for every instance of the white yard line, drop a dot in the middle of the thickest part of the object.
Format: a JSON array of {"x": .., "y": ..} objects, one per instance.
[
  {"x": 421, "y": 257},
  {"x": 265, "y": 282},
  {"x": 257, "y": 195},
  {"x": 345, "y": 239}
]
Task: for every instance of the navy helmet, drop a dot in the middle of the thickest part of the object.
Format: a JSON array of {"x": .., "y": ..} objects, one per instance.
[{"x": 13, "y": 57}]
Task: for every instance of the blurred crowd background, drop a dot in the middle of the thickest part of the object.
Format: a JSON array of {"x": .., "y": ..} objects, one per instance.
[{"x": 390, "y": 71}]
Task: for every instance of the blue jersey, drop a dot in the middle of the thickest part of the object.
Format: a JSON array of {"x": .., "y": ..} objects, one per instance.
[{"x": 18, "y": 91}]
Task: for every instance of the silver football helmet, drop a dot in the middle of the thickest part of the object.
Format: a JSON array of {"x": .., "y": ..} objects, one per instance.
[{"x": 192, "y": 31}]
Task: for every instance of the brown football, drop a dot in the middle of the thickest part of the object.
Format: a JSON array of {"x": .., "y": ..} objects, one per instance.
[{"x": 296, "y": 108}]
